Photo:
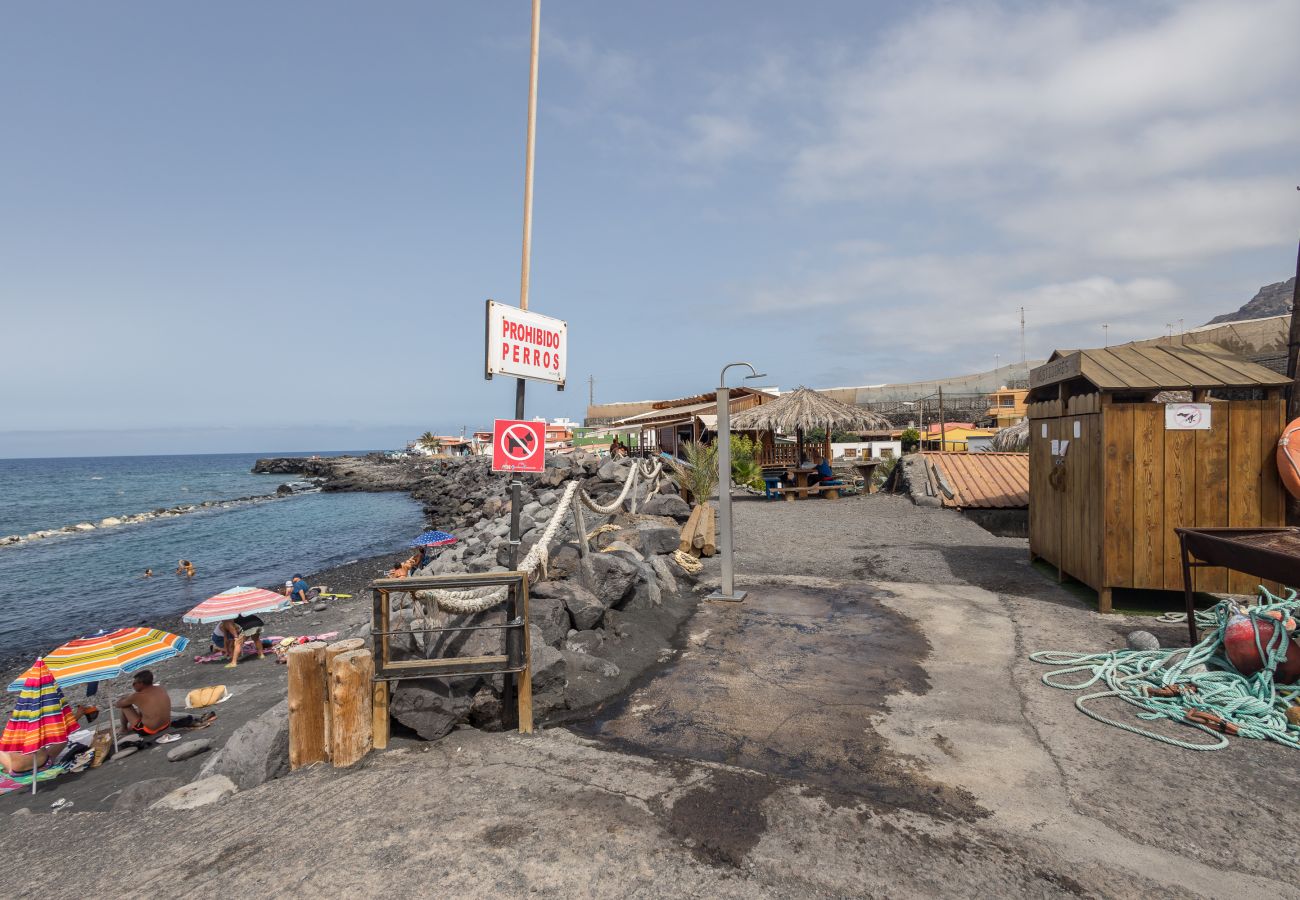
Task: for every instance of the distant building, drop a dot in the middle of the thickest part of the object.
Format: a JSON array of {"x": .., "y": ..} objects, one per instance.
[
  {"x": 953, "y": 436},
  {"x": 1007, "y": 406}
]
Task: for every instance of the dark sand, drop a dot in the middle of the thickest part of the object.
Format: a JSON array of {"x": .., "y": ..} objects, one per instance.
[{"x": 255, "y": 685}]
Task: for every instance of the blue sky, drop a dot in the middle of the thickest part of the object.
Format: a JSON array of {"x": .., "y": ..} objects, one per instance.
[{"x": 262, "y": 225}]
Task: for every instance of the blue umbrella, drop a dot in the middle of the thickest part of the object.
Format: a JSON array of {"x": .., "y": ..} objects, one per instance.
[{"x": 433, "y": 539}]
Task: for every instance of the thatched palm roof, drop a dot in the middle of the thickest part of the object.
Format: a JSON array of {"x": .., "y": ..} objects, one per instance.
[
  {"x": 805, "y": 409},
  {"x": 1013, "y": 438}
]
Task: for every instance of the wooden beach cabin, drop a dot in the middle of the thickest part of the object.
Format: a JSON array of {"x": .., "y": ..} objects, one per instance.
[{"x": 1113, "y": 471}]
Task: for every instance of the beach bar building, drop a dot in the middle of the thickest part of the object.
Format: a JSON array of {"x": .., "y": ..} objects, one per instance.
[
  {"x": 1116, "y": 463},
  {"x": 670, "y": 424}
]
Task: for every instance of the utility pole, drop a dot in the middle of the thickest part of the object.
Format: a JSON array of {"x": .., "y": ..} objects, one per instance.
[
  {"x": 1105, "y": 335},
  {"x": 1022, "y": 335},
  {"x": 943, "y": 430},
  {"x": 591, "y": 390}
]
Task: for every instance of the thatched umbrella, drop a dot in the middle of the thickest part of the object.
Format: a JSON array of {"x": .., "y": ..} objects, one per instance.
[
  {"x": 1013, "y": 438},
  {"x": 803, "y": 409}
]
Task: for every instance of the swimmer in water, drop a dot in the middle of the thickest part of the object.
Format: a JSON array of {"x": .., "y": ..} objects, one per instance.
[
  {"x": 185, "y": 567},
  {"x": 148, "y": 573}
]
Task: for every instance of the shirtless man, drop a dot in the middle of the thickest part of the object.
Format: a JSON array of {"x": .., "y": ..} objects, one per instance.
[{"x": 147, "y": 709}]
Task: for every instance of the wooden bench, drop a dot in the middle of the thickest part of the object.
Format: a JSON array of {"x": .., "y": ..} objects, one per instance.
[{"x": 832, "y": 491}]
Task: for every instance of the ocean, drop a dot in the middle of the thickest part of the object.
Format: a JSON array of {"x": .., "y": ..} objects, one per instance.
[{"x": 58, "y": 588}]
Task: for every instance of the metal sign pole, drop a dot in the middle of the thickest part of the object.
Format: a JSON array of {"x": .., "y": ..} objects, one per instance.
[{"x": 516, "y": 485}]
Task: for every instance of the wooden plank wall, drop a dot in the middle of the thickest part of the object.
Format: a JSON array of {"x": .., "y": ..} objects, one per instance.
[
  {"x": 1158, "y": 480},
  {"x": 1044, "y": 515}
]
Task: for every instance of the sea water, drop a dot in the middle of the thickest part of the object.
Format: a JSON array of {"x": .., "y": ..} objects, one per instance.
[{"x": 61, "y": 587}]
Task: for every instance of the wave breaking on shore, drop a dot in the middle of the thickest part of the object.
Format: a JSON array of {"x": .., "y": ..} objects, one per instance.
[{"x": 290, "y": 489}]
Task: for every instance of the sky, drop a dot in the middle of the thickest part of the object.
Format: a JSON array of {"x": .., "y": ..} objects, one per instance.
[{"x": 253, "y": 226}]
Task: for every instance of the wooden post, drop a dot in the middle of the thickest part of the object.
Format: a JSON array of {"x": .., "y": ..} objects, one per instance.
[
  {"x": 525, "y": 680},
  {"x": 306, "y": 704},
  {"x": 331, "y": 651},
  {"x": 580, "y": 524},
  {"x": 351, "y": 674},
  {"x": 943, "y": 430},
  {"x": 379, "y": 715}
]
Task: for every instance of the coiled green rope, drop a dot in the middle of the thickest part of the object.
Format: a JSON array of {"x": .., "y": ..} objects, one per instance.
[{"x": 1203, "y": 677}]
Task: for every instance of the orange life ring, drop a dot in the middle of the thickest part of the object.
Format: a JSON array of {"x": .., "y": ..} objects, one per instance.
[{"x": 1288, "y": 458}]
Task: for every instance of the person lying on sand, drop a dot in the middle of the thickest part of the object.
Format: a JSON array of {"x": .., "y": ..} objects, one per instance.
[
  {"x": 22, "y": 763},
  {"x": 147, "y": 709}
]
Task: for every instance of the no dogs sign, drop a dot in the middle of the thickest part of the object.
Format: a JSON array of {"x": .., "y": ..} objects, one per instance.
[{"x": 518, "y": 446}]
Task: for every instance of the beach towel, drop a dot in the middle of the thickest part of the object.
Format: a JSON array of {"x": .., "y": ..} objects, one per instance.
[
  {"x": 14, "y": 782},
  {"x": 206, "y": 696}
]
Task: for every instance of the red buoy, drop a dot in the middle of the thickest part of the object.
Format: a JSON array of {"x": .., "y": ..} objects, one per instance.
[
  {"x": 1239, "y": 644},
  {"x": 1288, "y": 458}
]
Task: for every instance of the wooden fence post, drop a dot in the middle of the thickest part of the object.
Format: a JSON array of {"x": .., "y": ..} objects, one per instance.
[
  {"x": 306, "y": 704},
  {"x": 351, "y": 690},
  {"x": 379, "y": 715},
  {"x": 331, "y": 651}
]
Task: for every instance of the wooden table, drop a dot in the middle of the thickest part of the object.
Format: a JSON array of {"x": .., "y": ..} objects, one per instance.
[
  {"x": 867, "y": 469},
  {"x": 1270, "y": 554}
]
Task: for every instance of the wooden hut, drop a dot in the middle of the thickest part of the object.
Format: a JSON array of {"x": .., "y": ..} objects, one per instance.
[{"x": 1113, "y": 472}]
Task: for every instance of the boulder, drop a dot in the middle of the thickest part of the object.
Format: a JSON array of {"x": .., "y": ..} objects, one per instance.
[
  {"x": 614, "y": 470},
  {"x": 188, "y": 749},
  {"x": 256, "y": 752},
  {"x": 588, "y": 642},
  {"x": 197, "y": 793},
  {"x": 1142, "y": 640},
  {"x": 664, "y": 572},
  {"x": 623, "y": 547},
  {"x": 429, "y": 707},
  {"x": 667, "y": 505},
  {"x": 646, "y": 593},
  {"x": 595, "y": 665},
  {"x": 83, "y": 526},
  {"x": 610, "y": 576},
  {"x": 653, "y": 539},
  {"x": 550, "y": 615},
  {"x": 141, "y": 794},
  {"x": 109, "y": 521}
]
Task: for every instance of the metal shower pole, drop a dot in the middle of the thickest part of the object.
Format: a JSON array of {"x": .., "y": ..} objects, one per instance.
[{"x": 727, "y": 590}]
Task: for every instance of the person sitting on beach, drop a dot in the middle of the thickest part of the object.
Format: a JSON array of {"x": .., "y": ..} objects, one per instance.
[
  {"x": 823, "y": 472},
  {"x": 298, "y": 589},
  {"x": 185, "y": 567},
  {"x": 230, "y": 635},
  {"x": 147, "y": 709}
]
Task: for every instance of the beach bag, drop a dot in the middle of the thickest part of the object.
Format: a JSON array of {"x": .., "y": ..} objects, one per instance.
[{"x": 205, "y": 696}]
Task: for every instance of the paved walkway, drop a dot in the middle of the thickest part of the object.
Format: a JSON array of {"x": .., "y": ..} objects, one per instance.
[{"x": 865, "y": 725}]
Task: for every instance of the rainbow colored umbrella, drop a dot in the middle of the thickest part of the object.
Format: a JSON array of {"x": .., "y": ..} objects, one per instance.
[
  {"x": 433, "y": 539},
  {"x": 106, "y": 655},
  {"x": 238, "y": 601},
  {"x": 40, "y": 719}
]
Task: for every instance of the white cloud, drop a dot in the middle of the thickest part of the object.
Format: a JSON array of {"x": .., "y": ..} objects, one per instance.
[{"x": 713, "y": 139}]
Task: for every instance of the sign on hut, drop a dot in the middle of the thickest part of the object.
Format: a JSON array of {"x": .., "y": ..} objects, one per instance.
[{"x": 1113, "y": 469}]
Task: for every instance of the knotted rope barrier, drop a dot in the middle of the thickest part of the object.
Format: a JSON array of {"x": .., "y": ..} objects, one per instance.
[
  {"x": 479, "y": 600},
  {"x": 1196, "y": 686}
]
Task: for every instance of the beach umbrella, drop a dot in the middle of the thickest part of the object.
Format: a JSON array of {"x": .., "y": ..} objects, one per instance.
[
  {"x": 40, "y": 718},
  {"x": 433, "y": 539},
  {"x": 108, "y": 654},
  {"x": 238, "y": 601},
  {"x": 105, "y": 655}
]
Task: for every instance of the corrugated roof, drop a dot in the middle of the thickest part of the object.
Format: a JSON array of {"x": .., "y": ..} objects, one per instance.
[
  {"x": 1154, "y": 367},
  {"x": 668, "y": 416},
  {"x": 983, "y": 480}
]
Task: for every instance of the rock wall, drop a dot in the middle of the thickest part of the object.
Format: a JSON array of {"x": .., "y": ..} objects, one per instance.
[{"x": 594, "y": 625}]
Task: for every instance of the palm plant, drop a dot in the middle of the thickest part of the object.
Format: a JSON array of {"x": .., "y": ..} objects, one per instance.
[
  {"x": 697, "y": 475},
  {"x": 430, "y": 441}
]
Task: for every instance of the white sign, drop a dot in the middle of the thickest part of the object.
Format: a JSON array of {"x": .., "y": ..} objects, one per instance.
[
  {"x": 1187, "y": 417},
  {"x": 1078, "y": 429},
  {"x": 525, "y": 344}
]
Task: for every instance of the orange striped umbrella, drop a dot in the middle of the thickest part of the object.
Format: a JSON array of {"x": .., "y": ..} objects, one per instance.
[
  {"x": 237, "y": 601},
  {"x": 107, "y": 655}
]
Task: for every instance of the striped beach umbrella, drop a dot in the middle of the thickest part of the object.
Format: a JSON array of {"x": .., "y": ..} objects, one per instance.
[
  {"x": 433, "y": 539},
  {"x": 106, "y": 655},
  {"x": 41, "y": 717},
  {"x": 238, "y": 601}
]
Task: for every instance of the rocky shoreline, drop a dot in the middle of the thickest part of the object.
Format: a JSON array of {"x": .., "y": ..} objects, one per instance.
[{"x": 595, "y": 624}]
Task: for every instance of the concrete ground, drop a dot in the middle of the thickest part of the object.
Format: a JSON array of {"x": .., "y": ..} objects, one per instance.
[{"x": 866, "y": 724}]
